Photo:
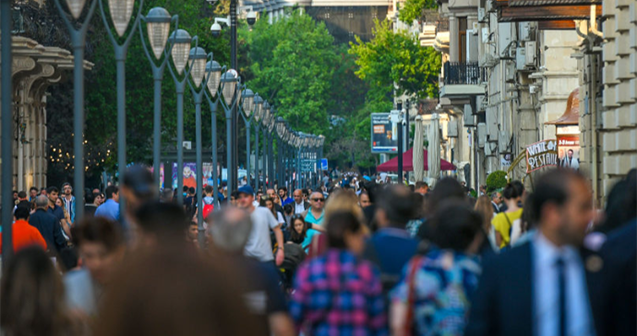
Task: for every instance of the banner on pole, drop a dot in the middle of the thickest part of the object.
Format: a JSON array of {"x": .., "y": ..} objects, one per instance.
[
  {"x": 541, "y": 154},
  {"x": 383, "y": 137}
]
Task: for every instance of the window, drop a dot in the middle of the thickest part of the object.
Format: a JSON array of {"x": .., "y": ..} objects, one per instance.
[
  {"x": 350, "y": 15},
  {"x": 326, "y": 15}
]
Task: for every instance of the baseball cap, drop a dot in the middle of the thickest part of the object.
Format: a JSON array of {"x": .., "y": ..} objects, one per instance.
[
  {"x": 246, "y": 189},
  {"x": 139, "y": 179}
]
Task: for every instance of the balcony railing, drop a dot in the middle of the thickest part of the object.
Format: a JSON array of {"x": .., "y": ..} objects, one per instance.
[{"x": 456, "y": 73}]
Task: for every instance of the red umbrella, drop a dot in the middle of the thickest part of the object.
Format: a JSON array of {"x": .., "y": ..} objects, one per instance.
[{"x": 408, "y": 158}]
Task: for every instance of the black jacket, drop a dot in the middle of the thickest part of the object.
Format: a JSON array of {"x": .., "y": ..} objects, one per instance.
[
  {"x": 504, "y": 301},
  {"x": 50, "y": 228}
]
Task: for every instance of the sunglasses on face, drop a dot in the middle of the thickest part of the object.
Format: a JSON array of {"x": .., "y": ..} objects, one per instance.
[{"x": 318, "y": 199}]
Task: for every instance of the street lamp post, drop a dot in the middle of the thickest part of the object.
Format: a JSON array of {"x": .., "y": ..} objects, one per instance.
[
  {"x": 258, "y": 110},
  {"x": 181, "y": 41},
  {"x": 264, "y": 156},
  {"x": 120, "y": 13},
  {"x": 213, "y": 70},
  {"x": 78, "y": 41},
  {"x": 198, "y": 59},
  {"x": 270, "y": 128},
  {"x": 229, "y": 81},
  {"x": 7, "y": 132},
  {"x": 158, "y": 26},
  {"x": 248, "y": 105}
]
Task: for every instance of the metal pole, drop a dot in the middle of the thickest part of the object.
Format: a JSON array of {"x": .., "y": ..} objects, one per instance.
[
  {"x": 198, "y": 138},
  {"x": 157, "y": 78},
  {"x": 120, "y": 59},
  {"x": 229, "y": 168},
  {"x": 263, "y": 162},
  {"x": 248, "y": 130},
  {"x": 180, "y": 140},
  {"x": 256, "y": 156},
  {"x": 7, "y": 132},
  {"x": 215, "y": 177},
  {"x": 234, "y": 111},
  {"x": 400, "y": 152}
]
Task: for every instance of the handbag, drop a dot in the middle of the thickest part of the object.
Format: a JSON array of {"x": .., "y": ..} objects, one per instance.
[{"x": 411, "y": 293}]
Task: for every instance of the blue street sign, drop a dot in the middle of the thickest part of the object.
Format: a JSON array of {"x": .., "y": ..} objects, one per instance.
[{"x": 323, "y": 164}]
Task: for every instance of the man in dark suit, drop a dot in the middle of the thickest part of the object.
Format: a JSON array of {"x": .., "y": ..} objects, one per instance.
[
  {"x": 300, "y": 205},
  {"x": 496, "y": 199},
  {"x": 540, "y": 288},
  {"x": 48, "y": 225}
]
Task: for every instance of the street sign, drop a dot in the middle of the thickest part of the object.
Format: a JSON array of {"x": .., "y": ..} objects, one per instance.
[
  {"x": 324, "y": 165},
  {"x": 383, "y": 137}
]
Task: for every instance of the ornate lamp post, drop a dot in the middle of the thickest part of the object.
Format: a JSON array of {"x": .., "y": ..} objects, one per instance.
[
  {"x": 229, "y": 81},
  {"x": 197, "y": 57},
  {"x": 247, "y": 97},
  {"x": 264, "y": 116},
  {"x": 158, "y": 26},
  {"x": 78, "y": 41},
  {"x": 180, "y": 40},
  {"x": 120, "y": 13},
  {"x": 258, "y": 110},
  {"x": 213, "y": 75}
]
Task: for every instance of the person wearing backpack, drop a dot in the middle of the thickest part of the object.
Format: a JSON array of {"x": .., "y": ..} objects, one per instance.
[{"x": 507, "y": 224}]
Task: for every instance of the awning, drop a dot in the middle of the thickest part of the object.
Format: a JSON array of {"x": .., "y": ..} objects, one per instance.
[{"x": 408, "y": 156}]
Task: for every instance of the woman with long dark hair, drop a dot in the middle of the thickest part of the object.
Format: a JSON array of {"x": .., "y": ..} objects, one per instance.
[{"x": 32, "y": 297}]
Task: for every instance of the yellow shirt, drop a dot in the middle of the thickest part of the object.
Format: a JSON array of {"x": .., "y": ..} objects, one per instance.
[{"x": 503, "y": 226}]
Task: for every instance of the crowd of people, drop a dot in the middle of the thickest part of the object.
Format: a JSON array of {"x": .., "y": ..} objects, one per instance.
[{"x": 353, "y": 257}]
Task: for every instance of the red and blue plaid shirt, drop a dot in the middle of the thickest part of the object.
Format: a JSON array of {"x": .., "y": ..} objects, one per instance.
[{"x": 338, "y": 294}]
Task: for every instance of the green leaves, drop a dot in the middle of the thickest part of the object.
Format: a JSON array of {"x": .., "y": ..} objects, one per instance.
[
  {"x": 397, "y": 58},
  {"x": 291, "y": 64},
  {"x": 412, "y": 9}
]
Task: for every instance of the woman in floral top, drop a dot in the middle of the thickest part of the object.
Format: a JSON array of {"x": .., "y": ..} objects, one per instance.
[
  {"x": 337, "y": 293},
  {"x": 433, "y": 295}
]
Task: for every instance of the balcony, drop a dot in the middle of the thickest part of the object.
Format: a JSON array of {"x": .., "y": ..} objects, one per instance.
[{"x": 462, "y": 79}]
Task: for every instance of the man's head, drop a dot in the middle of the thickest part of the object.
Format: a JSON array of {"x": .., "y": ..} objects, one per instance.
[
  {"x": 41, "y": 202},
  {"x": 33, "y": 192},
  {"x": 306, "y": 194},
  {"x": 208, "y": 190},
  {"x": 52, "y": 192},
  {"x": 230, "y": 229},
  {"x": 562, "y": 206},
  {"x": 396, "y": 206},
  {"x": 159, "y": 224},
  {"x": 496, "y": 197},
  {"x": 67, "y": 189},
  {"x": 298, "y": 196},
  {"x": 271, "y": 193},
  {"x": 22, "y": 213},
  {"x": 101, "y": 246},
  {"x": 317, "y": 200},
  {"x": 245, "y": 197},
  {"x": 112, "y": 192},
  {"x": 282, "y": 192},
  {"x": 234, "y": 197},
  {"x": 43, "y": 191},
  {"x": 138, "y": 187},
  {"x": 191, "y": 191},
  {"x": 97, "y": 191},
  {"x": 570, "y": 153},
  {"x": 22, "y": 196},
  {"x": 421, "y": 187}
]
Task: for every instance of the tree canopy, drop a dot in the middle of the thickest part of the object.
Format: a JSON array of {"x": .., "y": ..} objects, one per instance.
[
  {"x": 412, "y": 9},
  {"x": 396, "y": 60}
]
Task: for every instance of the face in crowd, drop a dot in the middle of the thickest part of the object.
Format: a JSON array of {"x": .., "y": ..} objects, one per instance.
[
  {"x": 317, "y": 201},
  {"x": 298, "y": 196}
]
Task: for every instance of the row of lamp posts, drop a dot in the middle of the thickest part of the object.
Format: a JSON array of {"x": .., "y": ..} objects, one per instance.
[{"x": 190, "y": 66}]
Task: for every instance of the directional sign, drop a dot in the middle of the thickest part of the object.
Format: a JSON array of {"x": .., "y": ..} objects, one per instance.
[{"x": 324, "y": 165}]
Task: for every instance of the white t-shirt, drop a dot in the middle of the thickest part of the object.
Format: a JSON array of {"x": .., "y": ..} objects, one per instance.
[
  {"x": 280, "y": 218},
  {"x": 259, "y": 245}
]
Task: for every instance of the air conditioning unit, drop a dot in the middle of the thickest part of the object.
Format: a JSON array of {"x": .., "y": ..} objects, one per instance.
[
  {"x": 483, "y": 16},
  {"x": 482, "y": 134},
  {"x": 481, "y": 103},
  {"x": 520, "y": 58},
  {"x": 527, "y": 31},
  {"x": 452, "y": 129},
  {"x": 531, "y": 53},
  {"x": 476, "y": 28},
  {"x": 509, "y": 72},
  {"x": 468, "y": 117}
]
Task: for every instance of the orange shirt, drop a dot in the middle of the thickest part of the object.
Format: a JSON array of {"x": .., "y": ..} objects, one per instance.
[{"x": 25, "y": 235}]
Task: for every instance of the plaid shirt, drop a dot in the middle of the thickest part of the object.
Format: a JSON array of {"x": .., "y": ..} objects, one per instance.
[{"x": 338, "y": 294}]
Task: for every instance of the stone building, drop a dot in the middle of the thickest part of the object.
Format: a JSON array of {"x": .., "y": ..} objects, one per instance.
[{"x": 34, "y": 69}]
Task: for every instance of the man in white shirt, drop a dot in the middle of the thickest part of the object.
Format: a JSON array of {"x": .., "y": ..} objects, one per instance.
[
  {"x": 259, "y": 245},
  {"x": 540, "y": 288},
  {"x": 299, "y": 205}
]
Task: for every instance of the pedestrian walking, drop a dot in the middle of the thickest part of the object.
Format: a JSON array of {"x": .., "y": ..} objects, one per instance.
[
  {"x": 69, "y": 201},
  {"x": 23, "y": 234},
  {"x": 48, "y": 225},
  {"x": 110, "y": 208},
  {"x": 540, "y": 288},
  {"x": 433, "y": 296},
  {"x": 337, "y": 292},
  {"x": 507, "y": 224}
]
